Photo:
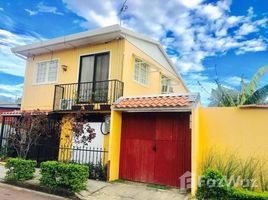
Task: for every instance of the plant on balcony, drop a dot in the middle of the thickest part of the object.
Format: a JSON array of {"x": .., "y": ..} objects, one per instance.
[{"x": 76, "y": 100}]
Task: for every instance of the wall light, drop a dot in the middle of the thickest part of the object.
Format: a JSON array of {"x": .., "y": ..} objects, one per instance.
[{"x": 64, "y": 67}]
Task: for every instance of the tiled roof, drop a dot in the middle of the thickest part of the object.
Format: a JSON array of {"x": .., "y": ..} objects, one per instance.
[
  {"x": 19, "y": 112},
  {"x": 254, "y": 106},
  {"x": 160, "y": 101}
]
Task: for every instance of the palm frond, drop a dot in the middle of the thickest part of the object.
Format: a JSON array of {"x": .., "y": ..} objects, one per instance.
[
  {"x": 259, "y": 96},
  {"x": 250, "y": 88}
]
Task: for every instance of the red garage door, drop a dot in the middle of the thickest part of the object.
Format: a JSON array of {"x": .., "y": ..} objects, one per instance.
[{"x": 155, "y": 147}]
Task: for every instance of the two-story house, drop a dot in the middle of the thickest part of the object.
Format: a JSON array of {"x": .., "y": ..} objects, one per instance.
[{"x": 114, "y": 72}]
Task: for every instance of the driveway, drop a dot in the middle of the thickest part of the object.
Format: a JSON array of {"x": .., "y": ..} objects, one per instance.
[
  {"x": 128, "y": 191},
  {"x": 8, "y": 192},
  {"x": 95, "y": 190}
]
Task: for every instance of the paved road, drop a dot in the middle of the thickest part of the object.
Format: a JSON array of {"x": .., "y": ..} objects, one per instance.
[{"x": 8, "y": 192}]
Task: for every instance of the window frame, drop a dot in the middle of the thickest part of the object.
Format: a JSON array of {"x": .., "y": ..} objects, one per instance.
[
  {"x": 146, "y": 75},
  {"x": 168, "y": 86},
  {"x": 34, "y": 81}
]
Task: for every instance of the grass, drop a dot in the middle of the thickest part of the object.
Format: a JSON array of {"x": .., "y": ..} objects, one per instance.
[
  {"x": 119, "y": 181},
  {"x": 156, "y": 186},
  {"x": 230, "y": 165}
]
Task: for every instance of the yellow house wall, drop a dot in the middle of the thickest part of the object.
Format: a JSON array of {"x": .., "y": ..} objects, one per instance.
[
  {"x": 133, "y": 88},
  {"x": 41, "y": 96},
  {"x": 114, "y": 145},
  {"x": 232, "y": 130}
]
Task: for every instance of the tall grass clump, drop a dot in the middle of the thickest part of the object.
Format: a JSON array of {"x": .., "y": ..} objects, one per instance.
[{"x": 248, "y": 173}]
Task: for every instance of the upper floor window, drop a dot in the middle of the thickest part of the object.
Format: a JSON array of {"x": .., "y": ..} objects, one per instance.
[
  {"x": 166, "y": 85},
  {"x": 141, "y": 71},
  {"x": 46, "y": 72}
]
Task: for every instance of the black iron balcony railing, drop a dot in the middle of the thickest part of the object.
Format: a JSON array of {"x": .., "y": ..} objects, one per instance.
[{"x": 98, "y": 95}]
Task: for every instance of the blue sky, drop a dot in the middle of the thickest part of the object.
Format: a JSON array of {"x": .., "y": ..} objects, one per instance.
[{"x": 201, "y": 37}]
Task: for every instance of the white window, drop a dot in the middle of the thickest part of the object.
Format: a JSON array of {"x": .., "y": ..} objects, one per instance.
[
  {"x": 141, "y": 71},
  {"x": 46, "y": 72},
  {"x": 166, "y": 85}
]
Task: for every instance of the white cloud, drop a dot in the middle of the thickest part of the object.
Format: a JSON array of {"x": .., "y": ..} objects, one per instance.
[
  {"x": 42, "y": 8},
  {"x": 1, "y": 9},
  {"x": 191, "y": 4},
  {"x": 199, "y": 29},
  {"x": 233, "y": 80},
  {"x": 31, "y": 12},
  {"x": 9, "y": 62}
]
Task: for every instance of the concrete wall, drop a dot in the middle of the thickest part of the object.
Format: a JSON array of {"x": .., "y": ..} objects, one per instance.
[
  {"x": 243, "y": 131},
  {"x": 122, "y": 55},
  {"x": 41, "y": 96}
]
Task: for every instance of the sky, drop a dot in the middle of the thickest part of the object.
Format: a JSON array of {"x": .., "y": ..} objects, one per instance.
[{"x": 207, "y": 40}]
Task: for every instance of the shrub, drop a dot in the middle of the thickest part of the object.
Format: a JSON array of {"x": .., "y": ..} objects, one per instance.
[
  {"x": 59, "y": 175},
  {"x": 212, "y": 186},
  {"x": 236, "y": 194},
  {"x": 19, "y": 169},
  {"x": 98, "y": 172}
]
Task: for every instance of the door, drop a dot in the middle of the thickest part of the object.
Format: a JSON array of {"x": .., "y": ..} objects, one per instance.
[
  {"x": 155, "y": 147},
  {"x": 93, "y": 76}
]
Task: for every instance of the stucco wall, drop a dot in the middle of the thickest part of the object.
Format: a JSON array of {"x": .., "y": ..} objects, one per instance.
[
  {"x": 41, "y": 96},
  {"x": 132, "y": 88},
  {"x": 122, "y": 54},
  {"x": 231, "y": 130}
]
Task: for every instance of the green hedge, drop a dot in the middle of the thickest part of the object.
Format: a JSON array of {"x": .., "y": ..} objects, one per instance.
[
  {"x": 235, "y": 194},
  {"x": 213, "y": 187},
  {"x": 19, "y": 169},
  {"x": 59, "y": 175}
]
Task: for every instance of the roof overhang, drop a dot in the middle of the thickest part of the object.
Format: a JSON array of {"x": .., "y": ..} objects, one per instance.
[
  {"x": 97, "y": 36},
  {"x": 158, "y": 103}
]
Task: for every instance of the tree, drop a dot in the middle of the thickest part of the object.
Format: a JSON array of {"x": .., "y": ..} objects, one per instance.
[
  {"x": 249, "y": 93},
  {"x": 27, "y": 130},
  {"x": 83, "y": 132}
]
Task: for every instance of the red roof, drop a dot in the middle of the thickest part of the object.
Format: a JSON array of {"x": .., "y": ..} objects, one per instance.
[
  {"x": 160, "y": 101},
  {"x": 254, "y": 106},
  {"x": 19, "y": 112}
]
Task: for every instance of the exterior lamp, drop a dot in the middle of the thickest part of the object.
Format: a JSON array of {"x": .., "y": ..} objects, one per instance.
[{"x": 64, "y": 67}]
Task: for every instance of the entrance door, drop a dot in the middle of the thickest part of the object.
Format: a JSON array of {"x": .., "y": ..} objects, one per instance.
[
  {"x": 93, "y": 78},
  {"x": 155, "y": 148}
]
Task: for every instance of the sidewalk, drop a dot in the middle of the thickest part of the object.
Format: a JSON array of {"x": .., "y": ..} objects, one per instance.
[{"x": 99, "y": 190}]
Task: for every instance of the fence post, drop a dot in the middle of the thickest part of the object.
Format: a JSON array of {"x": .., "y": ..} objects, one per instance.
[{"x": 2, "y": 131}]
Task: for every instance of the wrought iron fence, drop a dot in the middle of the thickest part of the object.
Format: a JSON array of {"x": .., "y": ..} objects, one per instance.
[{"x": 91, "y": 95}]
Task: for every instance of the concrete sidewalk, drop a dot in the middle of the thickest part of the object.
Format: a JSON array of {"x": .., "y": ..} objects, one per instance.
[{"x": 99, "y": 190}]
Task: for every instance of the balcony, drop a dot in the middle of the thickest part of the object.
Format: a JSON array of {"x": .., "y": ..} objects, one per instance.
[{"x": 88, "y": 96}]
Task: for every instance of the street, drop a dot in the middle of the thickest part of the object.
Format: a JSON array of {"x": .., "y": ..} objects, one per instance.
[{"x": 8, "y": 192}]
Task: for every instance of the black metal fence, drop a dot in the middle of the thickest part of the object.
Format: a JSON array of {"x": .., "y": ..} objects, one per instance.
[
  {"x": 49, "y": 149},
  {"x": 92, "y": 95}
]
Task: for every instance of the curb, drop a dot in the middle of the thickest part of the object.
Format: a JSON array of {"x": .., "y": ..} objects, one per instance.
[{"x": 29, "y": 190}]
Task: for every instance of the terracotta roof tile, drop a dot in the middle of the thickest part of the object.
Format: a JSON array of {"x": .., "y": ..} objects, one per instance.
[
  {"x": 160, "y": 101},
  {"x": 19, "y": 112}
]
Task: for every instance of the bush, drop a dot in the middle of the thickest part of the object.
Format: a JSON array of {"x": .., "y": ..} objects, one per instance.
[
  {"x": 59, "y": 175},
  {"x": 19, "y": 169},
  {"x": 98, "y": 172},
  {"x": 212, "y": 186},
  {"x": 235, "y": 194}
]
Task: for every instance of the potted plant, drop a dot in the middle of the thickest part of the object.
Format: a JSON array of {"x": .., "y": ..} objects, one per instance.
[
  {"x": 76, "y": 101},
  {"x": 105, "y": 107},
  {"x": 89, "y": 106}
]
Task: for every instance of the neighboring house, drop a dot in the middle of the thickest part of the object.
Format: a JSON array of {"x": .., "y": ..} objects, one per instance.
[
  {"x": 6, "y": 107},
  {"x": 115, "y": 73}
]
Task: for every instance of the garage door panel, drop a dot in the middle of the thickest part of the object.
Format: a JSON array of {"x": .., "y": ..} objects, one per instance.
[{"x": 169, "y": 133}]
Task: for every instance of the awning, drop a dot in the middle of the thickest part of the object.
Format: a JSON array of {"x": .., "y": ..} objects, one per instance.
[{"x": 160, "y": 103}]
